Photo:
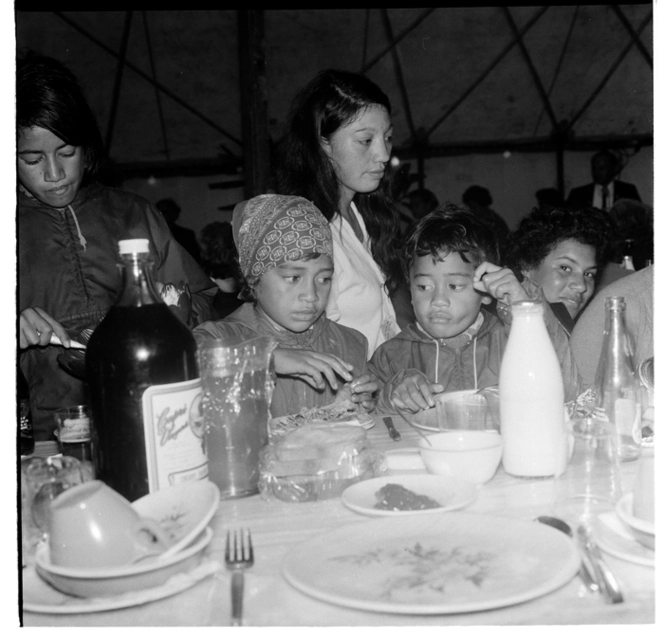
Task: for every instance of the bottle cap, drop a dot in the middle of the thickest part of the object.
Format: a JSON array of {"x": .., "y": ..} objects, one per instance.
[{"x": 129, "y": 246}]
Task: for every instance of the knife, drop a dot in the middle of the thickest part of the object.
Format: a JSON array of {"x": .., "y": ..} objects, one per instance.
[
  {"x": 607, "y": 582},
  {"x": 394, "y": 434}
]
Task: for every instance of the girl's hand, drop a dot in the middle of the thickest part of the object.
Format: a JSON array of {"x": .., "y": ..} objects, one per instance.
[
  {"x": 312, "y": 367},
  {"x": 36, "y": 327},
  {"x": 362, "y": 391},
  {"x": 415, "y": 393},
  {"x": 501, "y": 283}
]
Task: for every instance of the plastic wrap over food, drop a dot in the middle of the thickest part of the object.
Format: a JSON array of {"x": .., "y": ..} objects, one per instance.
[{"x": 317, "y": 462}]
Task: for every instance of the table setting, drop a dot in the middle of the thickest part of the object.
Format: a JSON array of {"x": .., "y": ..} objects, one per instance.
[{"x": 479, "y": 558}]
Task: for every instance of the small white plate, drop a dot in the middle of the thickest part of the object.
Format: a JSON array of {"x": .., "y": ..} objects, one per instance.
[
  {"x": 183, "y": 511},
  {"x": 40, "y": 597},
  {"x": 118, "y": 581},
  {"x": 616, "y": 539},
  {"x": 450, "y": 492}
]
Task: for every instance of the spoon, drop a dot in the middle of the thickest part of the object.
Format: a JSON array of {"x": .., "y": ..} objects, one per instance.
[{"x": 584, "y": 571}]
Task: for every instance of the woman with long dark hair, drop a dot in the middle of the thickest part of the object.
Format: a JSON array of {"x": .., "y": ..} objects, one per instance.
[{"x": 335, "y": 152}]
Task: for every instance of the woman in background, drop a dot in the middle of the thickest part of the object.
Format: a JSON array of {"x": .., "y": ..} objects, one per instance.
[
  {"x": 563, "y": 251},
  {"x": 335, "y": 153}
]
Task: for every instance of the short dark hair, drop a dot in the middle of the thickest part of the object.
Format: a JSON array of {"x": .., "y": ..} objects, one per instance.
[
  {"x": 450, "y": 229},
  {"x": 49, "y": 96},
  {"x": 542, "y": 230},
  {"x": 477, "y": 194},
  {"x": 218, "y": 251}
]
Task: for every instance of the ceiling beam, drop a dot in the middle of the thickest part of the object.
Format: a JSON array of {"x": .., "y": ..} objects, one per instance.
[
  {"x": 533, "y": 71},
  {"x": 485, "y": 73},
  {"x": 608, "y": 75},
  {"x": 117, "y": 84},
  {"x": 635, "y": 36},
  {"x": 157, "y": 94},
  {"x": 398, "y": 39},
  {"x": 398, "y": 72},
  {"x": 146, "y": 77}
]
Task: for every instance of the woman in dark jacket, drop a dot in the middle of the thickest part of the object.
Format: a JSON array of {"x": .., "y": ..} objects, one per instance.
[{"x": 68, "y": 232}]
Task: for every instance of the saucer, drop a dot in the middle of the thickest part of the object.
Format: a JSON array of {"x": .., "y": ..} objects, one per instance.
[
  {"x": 183, "y": 511},
  {"x": 40, "y": 597},
  {"x": 449, "y": 492},
  {"x": 115, "y": 581},
  {"x": 616, "y": 539}
]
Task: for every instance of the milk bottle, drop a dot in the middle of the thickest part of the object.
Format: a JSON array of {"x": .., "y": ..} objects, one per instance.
[{"x": 531, "y": 397}]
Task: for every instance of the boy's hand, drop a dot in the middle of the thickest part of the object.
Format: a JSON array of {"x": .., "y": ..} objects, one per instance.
[
  {"x": 415, "y": 393},
  {"x": 362, "y": 391},
  {"x": 501, "y": 283},
  {"x": 312, "y": 367}
]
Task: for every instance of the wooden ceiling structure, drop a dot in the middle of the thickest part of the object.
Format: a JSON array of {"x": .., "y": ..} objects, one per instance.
[{"x": 205, "y": 92}]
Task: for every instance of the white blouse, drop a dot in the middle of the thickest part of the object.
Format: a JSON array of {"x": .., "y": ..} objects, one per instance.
[{"x": 358, "y": 298}]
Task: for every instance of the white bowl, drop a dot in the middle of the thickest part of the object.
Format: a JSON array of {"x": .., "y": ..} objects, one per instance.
[
  {"x": 113, "y": 581},
  {"x": 642, "y": 530},
  {"x": 471, "y": 455}
]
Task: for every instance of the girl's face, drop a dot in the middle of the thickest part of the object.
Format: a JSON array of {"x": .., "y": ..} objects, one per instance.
[
  {"x": 48, "y": 168},
  {"x": 445, "y": 301},
  {"x": 567, "y": 275},
  {"x": 360, "y": 150},
  {"x": 294, "y": 294}
]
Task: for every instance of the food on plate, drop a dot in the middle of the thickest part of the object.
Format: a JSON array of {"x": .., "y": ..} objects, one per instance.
[
  {"x": 395, "y": 497},
  {"x": 340, "y": 412}
]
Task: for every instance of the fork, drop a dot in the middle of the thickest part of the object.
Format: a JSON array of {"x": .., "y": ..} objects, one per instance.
[{"x": 238, "y": 558}]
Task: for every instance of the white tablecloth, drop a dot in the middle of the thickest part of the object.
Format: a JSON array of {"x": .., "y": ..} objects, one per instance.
[{"x": 277, "y": 527}]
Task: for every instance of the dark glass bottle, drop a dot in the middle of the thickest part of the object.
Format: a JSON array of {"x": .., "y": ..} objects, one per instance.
[
  {"x": 26, "y": 437},
  {"x": 144, "y": 388}
]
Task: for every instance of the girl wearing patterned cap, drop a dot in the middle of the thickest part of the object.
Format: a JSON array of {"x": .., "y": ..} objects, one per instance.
[{"x": 285, "y": 255}]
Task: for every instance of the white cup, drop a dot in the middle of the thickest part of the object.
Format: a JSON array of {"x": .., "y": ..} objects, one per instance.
[{"x": 91, "y": 525}]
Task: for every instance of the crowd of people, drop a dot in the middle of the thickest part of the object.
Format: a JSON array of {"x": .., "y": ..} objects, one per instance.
[{"x": 359, "y": 309}]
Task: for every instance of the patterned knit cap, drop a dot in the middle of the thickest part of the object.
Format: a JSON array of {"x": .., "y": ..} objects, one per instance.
[{"x": 271, "y": 229}]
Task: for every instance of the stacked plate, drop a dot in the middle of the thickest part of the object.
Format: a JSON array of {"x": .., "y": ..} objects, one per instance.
[{"x": 183, "y": 512}]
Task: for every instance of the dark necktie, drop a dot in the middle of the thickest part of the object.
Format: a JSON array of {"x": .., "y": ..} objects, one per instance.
[{"x": 605, "y": 197}]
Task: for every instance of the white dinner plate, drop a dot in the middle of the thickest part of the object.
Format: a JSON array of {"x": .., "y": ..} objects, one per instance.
[
  {"x": 450, "y": 492},
  {"x": 616, "y": 539},
  {"x": 40, "y": 597},
  {"x": 455, "y": 562},
  {"x": 183, "y": 511}
]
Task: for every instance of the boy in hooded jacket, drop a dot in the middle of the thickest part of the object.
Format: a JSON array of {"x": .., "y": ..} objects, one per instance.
[{"x": 461, "y": 302}]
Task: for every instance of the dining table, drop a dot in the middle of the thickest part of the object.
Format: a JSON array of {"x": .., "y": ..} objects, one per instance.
[{"x": 279, "y": 528}]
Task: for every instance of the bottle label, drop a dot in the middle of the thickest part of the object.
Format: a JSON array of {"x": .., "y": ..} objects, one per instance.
[{"x": 174, "y": 434}]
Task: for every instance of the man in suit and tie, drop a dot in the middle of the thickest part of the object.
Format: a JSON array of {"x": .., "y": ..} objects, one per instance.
[{"x": 605, "y": 191}]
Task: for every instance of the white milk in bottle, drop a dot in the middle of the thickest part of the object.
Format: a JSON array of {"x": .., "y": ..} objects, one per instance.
[{"x": 531, "y": 397}]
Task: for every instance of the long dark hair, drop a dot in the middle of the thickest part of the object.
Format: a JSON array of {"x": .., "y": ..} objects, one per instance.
[
  {"x": 331, "y": 100},
  {"x": 49, "y": 96}
]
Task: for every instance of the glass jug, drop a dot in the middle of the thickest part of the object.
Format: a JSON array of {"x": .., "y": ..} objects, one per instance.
[{"x": 237, "y": 390}]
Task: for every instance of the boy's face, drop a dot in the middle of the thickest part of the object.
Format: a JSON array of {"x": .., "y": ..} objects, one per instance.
[
  {"x": 294, "y": 294},
  {"x": 444, "y": 299}
]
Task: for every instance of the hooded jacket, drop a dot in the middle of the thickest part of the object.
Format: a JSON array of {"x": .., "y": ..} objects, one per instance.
[
  {"x": 291, "y": 394},
  {"x": 68, "y": 266},
  {"x": 465, "y": 362}
]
